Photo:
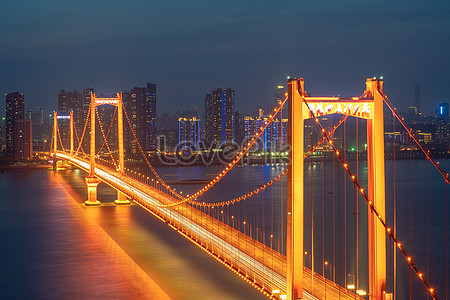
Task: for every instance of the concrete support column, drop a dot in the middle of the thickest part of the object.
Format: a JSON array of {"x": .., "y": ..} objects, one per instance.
[{"x": 92, "y": 183}]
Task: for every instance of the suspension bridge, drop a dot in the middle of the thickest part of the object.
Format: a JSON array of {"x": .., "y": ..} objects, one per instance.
[{"x": 314, "y": 225}]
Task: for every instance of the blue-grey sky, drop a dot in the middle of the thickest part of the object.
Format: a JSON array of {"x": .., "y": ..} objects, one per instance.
[{"x": 190, "y": 47}]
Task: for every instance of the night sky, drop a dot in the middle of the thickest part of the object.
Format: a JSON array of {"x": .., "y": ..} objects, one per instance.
[{"x": 190, "y": 47}]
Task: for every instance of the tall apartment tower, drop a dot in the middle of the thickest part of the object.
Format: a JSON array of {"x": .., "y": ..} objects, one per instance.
[
  {"x": 279, "y": 94},
  {"x": 219, "y": 116},
  {"x": 189, "y": 133},
  {"x": 140, "y": 105},
  {"x": 87, "y": 99},
  {"x": 14, "y": 111},
  {"x": 23, "y": 143},
  {"x": 70, "y": 101}
]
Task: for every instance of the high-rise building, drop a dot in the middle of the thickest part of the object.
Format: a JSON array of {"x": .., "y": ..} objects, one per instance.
[
  {"x": 442, "y": 110},
  {"x": 442, "y": 124},
  {"x": 87, "y": 100},
  {"x": 279, "y": 94},
  {"x": 2, "y": 133},
  {"x": 70, "y": 101},
  {"x": 274, "y": 137},
  {"x": 219, "y": 116},
  {"x": 14, "y": 111},
  {"x": 37, "y": 121},
  {"x": 417, "y": 96},
  {"x": 189, "y": 133},
  {"x": 140, "y": 106},
  {"x": 23, "y": 143}
]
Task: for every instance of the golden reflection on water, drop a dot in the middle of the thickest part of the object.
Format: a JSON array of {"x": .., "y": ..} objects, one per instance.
[{"x": 107, "y": 261}]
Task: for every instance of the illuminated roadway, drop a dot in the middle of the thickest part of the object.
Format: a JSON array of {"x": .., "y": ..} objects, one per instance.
[{"x": 255, "y": 262}]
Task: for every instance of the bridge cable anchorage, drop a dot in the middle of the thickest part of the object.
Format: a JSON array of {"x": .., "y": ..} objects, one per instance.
[
  {"x": 80, "y": 142},
  {"x": 105, "y": 139},
  {"x": 372, "y": 207},
  {"x": 427, "y": 154}
]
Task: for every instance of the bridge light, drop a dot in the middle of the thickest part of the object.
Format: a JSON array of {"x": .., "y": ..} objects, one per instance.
[{"x": 361, "y": 292}]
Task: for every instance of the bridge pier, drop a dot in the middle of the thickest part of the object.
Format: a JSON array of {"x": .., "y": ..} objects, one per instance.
[
  {"x": 121, "y": 199},
  {"x": 92, "y": 183}
]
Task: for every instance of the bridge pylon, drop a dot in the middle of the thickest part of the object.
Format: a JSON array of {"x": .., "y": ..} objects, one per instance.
[
  {"x": 370, "y": 107},
  {"x": 376, "y": 191},
  {"x": 121, "y": 197},
  {"x": 91, "y": 181},
  {"x": 295, "y": 192},
  {"x": 55, "y": 138}
]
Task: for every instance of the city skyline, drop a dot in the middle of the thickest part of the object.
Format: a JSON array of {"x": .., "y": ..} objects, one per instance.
[{"x": 255, "y": 46}]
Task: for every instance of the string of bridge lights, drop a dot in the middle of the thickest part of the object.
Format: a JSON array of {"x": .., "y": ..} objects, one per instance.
[
  {"x": 241, "y": 198},
  {"x": 323, "y": 139},
  {"x": 84, "y": 132},
  {"x": 239, "y": 155},
  {"x": 148, "y": 163},
  {"x": 58, "y": 133},
  {"x": 78, "y": 139},
  {"x": 109, "y": 130},
  {"x": 372, "y": 207},
  {"x": 427, "y": 154},
  {"x": 237, "y": 158},
  {"x": 106, "y": 141}
]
